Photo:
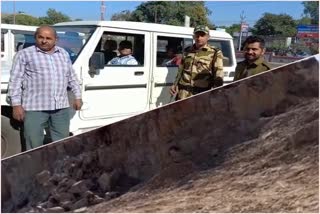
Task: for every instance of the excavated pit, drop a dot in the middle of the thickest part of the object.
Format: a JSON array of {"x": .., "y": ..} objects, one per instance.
[{"x": 251, "y": 146}]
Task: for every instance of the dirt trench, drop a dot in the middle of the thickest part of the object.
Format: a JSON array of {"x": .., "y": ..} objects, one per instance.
[{"x": 251, "y": 146}]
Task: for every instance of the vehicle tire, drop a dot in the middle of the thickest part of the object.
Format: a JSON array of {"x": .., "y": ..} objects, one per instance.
[{"x": 10, "y": 139}]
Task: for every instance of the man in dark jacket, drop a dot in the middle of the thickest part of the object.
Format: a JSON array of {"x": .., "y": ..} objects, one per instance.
[{"x": 254, "y": 62}]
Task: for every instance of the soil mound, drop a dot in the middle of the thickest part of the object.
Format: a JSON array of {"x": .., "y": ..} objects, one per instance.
[{"x": 276, "y": 169}]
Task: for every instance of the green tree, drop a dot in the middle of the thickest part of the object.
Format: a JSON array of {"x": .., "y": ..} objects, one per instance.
[
  {"x": 20, "y": 19},
  {"x": 153, "y": 12},
  {"x": 171, "y": 12},
  {"x": 275, "y": 25},
  {"x": 24, "y": 19},
  {"x": 197, "y": 11},
  {"x": 54, "y": 17},
  {"x": 7, "y": 18},
  {"x": 233, "y": 29},
  {"x": 311, "y": 9},
  {"x": 124, "y": 15},
  {"x": 304, "y": 21}
]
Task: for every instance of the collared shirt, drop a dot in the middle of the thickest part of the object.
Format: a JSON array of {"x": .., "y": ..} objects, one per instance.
[
  {"x": 244, "y": 69},
  {"x": 197, "y": 67},
  {"x": 123, "y": 60},
  {"x": 39, "y": 80}
]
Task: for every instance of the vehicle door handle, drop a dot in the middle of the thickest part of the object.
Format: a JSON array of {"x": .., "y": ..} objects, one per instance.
[{"x": 138, "y": 73}]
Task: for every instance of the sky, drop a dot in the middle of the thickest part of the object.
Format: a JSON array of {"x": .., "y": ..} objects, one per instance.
[{"x": 224, "y": 13}]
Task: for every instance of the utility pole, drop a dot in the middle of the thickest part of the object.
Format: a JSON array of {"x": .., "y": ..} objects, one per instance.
[
  {"x": 14, "y": 12},
  {"x": 155, "y": 13},
  {"x": 187, "y": 21},
  {"x": 242, "y": 18},
  {"x": 102, "y": 10}
]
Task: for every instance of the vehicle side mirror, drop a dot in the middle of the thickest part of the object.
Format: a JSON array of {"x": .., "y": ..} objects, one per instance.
[{"x": 96, "y": 63}]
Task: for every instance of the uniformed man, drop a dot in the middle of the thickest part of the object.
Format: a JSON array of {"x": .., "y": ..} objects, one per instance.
[
  {"x": 201, "y": 67},
  {"x": 254, "y": 62}
]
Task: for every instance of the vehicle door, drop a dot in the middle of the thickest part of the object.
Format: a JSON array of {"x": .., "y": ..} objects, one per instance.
[
  {"x": 167, "y": 49},
  {"x": 118, "y": 90},
  {"x": 229, "y": 61},
  {"x": 11, "y": 42}
]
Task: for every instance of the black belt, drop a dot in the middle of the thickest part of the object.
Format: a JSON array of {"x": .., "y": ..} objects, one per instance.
[{"x": 193, "y": 89}]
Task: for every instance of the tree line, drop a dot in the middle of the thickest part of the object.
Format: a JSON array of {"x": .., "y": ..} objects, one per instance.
[
  {"x": 51, "y": 18},
  {"x": 173, "y": 13}
]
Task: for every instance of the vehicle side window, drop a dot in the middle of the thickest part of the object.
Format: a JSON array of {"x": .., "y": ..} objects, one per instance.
[
  {"x": 170, "y": 50},
  {"x": 23, "y": 39},
  {"x": 225, "y": 47},
  {"x": 113, "y": 44}
]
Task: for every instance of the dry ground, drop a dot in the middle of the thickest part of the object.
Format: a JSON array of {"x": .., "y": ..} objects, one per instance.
[{"x": 275, "y": 170}]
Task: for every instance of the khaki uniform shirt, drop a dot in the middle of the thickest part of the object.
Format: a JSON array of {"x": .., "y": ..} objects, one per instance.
[
  {"x": 244, "y": 69},
  {"x": 195, "y": 72}
]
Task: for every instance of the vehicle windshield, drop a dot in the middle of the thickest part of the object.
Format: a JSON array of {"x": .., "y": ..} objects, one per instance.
[{"x": 73, "y": 38}]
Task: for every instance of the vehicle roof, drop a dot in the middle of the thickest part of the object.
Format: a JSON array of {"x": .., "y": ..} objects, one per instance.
[
  {"x": 18, "y": 27},
  {"x": 149, "y": 27}
]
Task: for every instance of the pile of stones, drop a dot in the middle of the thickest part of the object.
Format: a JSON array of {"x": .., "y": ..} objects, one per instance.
[{"x": 75, "y": 184}]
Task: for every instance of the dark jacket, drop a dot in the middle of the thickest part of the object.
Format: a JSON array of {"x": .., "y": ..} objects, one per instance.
[{"x": 244, "y": 69}]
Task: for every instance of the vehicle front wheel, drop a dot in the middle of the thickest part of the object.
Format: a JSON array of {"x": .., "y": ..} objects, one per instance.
[{"x": 10, "y": 139}]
